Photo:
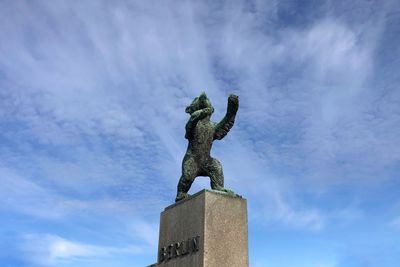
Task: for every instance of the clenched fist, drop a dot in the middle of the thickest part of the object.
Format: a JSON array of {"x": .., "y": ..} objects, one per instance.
[{"x": 233, "y": 103}]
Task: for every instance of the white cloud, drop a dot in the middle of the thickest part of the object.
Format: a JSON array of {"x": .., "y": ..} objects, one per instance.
[{"x": 46, "y": 249}]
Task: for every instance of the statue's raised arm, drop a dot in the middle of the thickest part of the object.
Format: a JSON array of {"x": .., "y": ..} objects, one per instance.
[{"x": 223, "y": 127}]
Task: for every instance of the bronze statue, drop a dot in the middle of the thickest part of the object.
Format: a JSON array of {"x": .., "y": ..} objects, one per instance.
[{"x": 201, "y": 132}]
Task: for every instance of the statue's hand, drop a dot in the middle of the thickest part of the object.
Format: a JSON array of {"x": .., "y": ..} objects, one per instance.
[
  {"x": 202, "y": 113},
  {"x": 233, "y": 103},
  {"x": 196, "y": 114},
  {"x": 208, "y": 111}
]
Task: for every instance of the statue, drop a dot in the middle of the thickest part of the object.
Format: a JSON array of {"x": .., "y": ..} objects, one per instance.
[{"x": 201, "y": 132}]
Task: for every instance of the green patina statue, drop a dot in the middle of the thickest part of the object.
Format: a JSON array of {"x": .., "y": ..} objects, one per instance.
[{"x": 201, "y": 132}]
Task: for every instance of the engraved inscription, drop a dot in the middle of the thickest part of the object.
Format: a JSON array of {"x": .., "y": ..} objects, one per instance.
[{"x": 179, "y": 249}]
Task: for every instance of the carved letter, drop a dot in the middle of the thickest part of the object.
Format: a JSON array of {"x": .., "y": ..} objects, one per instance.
[
  {"x": 177, "y": 247},
  {"x": 163, "y": 254},
  {"x": 170, "y": 251},
  {"x": 196, "y": 243},
  {"x": 184, "y": 248}
]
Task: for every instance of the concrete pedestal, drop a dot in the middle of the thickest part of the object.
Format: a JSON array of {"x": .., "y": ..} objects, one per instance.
[{"x": 206, "y": 230}]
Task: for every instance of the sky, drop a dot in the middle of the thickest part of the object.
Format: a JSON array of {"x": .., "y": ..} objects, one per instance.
[{"x": 92, "y": 124}]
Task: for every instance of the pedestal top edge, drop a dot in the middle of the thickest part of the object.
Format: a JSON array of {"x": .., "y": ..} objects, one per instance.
[{"x": 200, "y": 193}]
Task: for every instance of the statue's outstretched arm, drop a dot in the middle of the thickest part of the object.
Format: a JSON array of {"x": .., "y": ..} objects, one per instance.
[
  {"x": 195, "y": 117},
  {"x": 223, "y": 127}
]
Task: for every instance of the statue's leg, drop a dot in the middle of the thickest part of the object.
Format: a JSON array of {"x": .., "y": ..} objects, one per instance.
[
  {"x": 189, "y": 173},
  {"x": 214, "y": 170}
]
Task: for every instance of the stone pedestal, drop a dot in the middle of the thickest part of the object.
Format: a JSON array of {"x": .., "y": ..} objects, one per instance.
[{"x": 206, "y": 230}]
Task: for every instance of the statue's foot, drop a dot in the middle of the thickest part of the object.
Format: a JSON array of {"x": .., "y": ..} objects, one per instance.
[
  {"x": 226, "y": 190},
  {"x": 181, "y": 196}
]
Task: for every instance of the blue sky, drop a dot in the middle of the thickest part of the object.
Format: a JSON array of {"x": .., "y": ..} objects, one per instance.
[{"x": 92, "y": 100}]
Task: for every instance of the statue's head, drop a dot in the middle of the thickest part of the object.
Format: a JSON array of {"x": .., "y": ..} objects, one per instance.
[{"x": 198, "y": 103}]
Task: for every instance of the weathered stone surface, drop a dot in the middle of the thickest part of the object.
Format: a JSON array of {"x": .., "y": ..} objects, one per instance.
[
  {"x": 226, "y": 241},
  {"x": 215, "y": 221}
]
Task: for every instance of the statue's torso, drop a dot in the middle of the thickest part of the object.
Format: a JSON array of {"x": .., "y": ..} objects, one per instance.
[{"x": 201, "y": 141}]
